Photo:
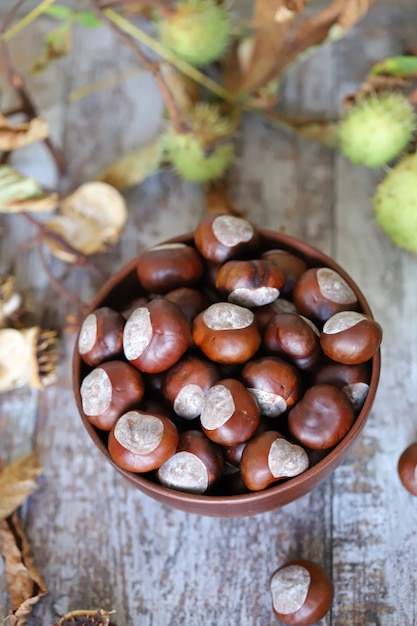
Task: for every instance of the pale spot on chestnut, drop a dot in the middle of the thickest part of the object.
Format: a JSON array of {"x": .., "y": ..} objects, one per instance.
[
  {"x": 356, "y": 392},
  {"x": 137, "y": 333},
  {"x": 231, "y": 231},
  {"x": 96, "y": 392},
  {"x": 184, "y": 471},
  {"x": 289, "y": 588},
  {"x": 168, "y": 246},
  {"x": 253, "y": 297},
  {"x": 227, "y": 316},
  {"x": 270, "y": 404},
  {"x": 139, "y": 433},
  {"x": 189, "y": 401},
  {"x": 286, "y": 458},
  {"x": 343, "y": 321},
  {"x": 88, "y": 334},
  {"x": 312, "y": 325},
  {"x": 218, "y": 407},
  {"x": 333, "y": 287}
]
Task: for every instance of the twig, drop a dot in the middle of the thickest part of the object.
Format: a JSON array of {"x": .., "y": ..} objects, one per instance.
[
  {"x": 10, "y": 16},
  {"x": 27, "y": 19},
  {"x": 166, "y": 54},
  {"x": 28, "y": 106},
  {"x": 88, "y": 90},
  {"x": 173, "y": 109}
]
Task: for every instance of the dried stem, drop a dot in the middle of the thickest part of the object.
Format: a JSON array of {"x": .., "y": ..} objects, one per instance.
[
  {"x": 173, "y": 109},
  {"x": 26, "y": 20}
]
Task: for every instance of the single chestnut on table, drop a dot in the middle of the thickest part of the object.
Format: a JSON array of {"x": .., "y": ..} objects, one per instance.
[
  {"x": 249, "y": 283},
  {"x": 110, "y": 390},
  {"x": 141, "y": 441},
  {"x": 156, "y": 336},
  {"x": 186, "y": 384},
  {"x": 269, "y": 457},
  {"x": 321, "y": 292},
  {"x": 350, "y": 337},
  {"x": 274, "y": 383},
  {"x": 321, "y": 418},
  {"x": 196, "y": 465},
  {"x": 169, "y": 266},
  {"x": 230, "y": 414},
  {"x": 293, "y": 336},
  {"x": 226, "y": 333},
  {"x": 101, "y": 336},
  {"x": 407, "y": 468},
  {"x": 302, "y": 592},
  {"x": 220, "y": 237}
]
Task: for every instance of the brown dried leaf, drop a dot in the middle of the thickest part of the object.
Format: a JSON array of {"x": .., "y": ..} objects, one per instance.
[
  {"x": 86, "y": 618},
  {"x": 17, "y": 482},
  {"x": 24, "y": 582},
  {"x": 16, "y": 136},
  {"x": 43, "y": 203}
]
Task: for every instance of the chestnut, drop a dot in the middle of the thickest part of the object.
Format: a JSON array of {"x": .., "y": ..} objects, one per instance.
[
  {"x": 110, "y": 390},
  {"x": 226, "y": 333},
  {"x": 196, "y": 465},
  {"x": 249, "y": 283},
  {"x": 302, "y": 592},
  {"x": 291, "y": 266},
  {"x": 101, "y": 336},
  {"x": 274, "y": 383},
  {"x": 321, "y": 418},
  {"x": 169, "y": 266},
  {"x": 156, "y": 336},
  {"x": 320, "y": 292},
  {"x": 230, "y": 414},
  {"x": 293, "y": 336},
  {"x": 352, "y": 379},
  {"x": 407, "y": 468},
  {"x": 190, "y": 301},
  {"x": 186, "y": 383},
  {"x": 141, "y": 441},
  {"x": 350, "y": 337},
  {"x": 269, "y": 457},
  {"x": 220, "y": 237}
]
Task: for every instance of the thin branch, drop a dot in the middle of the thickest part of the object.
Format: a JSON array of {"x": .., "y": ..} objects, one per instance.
[
  {"x": 27, "y": 19},
  {"x": 10, "y": 16},
  {"x": 173, "y": 109}
]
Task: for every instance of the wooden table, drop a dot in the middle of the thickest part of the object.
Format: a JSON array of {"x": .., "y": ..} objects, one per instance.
[{"x": 97, "y": 541}]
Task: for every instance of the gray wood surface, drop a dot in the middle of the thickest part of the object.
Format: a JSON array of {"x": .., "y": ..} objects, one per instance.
[{"x": 97, "y": 541}]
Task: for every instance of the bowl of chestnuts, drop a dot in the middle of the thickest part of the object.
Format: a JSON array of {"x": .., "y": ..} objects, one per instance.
[{"x": 227, "y": 371}]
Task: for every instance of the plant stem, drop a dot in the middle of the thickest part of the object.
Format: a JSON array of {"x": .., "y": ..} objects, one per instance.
[
  {"x": 27, "y": 19},
  {"x": 157, "y": 47},
  {"x": 10, "y": 16}
]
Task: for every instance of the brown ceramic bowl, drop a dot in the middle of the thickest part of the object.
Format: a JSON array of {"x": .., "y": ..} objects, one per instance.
[{"x": 115, "y": 294}]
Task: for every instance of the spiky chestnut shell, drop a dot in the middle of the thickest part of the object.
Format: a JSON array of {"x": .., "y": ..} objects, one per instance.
[
  {"x": 198, "y": 31},
  {"x": 377, "y": 129},
  {"x": 395, "y": 204},
  {"x": 196, "y": 154}
]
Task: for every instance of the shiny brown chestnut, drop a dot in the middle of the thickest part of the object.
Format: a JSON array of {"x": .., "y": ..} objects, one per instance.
[
  {"x": 350, "y": 337},
  {"x": 195, "y": 467},
  {"x": 269, "y": 457},
  {"x": 291, "y": 266},
  {"x": 186, "y": 383},
  {"x": 321, "y": 418},
  {"x": 302, "y": 592},
  {"x": 294, "y": 337},
  {"x": 190, "y": 301},
  {"x": 274, "y": 383},
  {"x": 169, "y": 266},
  {"x": 110, "y": 390},
  {"x": 141, "y": 441},
  {"x": 352, "y": 379},
  {"x": 101, "y": 336},
  {"x": 156, "y": 336},
  {"x": 264, "y": 314},
  {"x": 230, "y": 414},
  {"x": 220, "y": 237},
  {"x": 226, "y": 333},
  {"x": 321, "y": 292},
  {"x": 407, "y": 468},
  {"x": 249, "y": 283}
]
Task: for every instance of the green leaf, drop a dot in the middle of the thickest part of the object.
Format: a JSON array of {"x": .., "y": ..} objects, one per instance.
[
  {"x": 401, "y": 66},
  {"x": 59, "y": 12},
  {"x": 57, "y": 45},
  {"x": 88, "y": 19}
]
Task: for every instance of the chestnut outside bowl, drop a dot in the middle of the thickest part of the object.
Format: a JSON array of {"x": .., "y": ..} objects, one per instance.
[{"x": 121, "y": 289}]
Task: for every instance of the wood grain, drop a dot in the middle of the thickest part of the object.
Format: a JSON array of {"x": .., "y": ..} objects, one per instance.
[{"x": 100, "y": 543}]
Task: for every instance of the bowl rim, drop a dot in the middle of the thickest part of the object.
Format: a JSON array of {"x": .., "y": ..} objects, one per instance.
[{"x": 255, "y": 500}]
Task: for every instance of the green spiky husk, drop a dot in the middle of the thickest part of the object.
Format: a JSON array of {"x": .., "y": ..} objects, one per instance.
[
  {"x": 198, "y": 31},
  {"x": 195, "y": 162},
  {"x": 395, "y": 204},
  {"x": 378, "y": 129}
]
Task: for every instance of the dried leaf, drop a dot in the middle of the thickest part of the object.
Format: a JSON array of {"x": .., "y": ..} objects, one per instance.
[
  {"x": 81, "y": 234},
  {"x": 184, "y": 89},
  {"x": 86, "y": 618},
  {"x": 17, "y": 482},
  {"x": 24, "y": 581},
  {"x": 16, "y": 136},
  {"x": 22, "y": 193},
  {"x": 134, "y": 167},
  {"x": 378, "y": 83},
  {"x": 57, "y": 45}
]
